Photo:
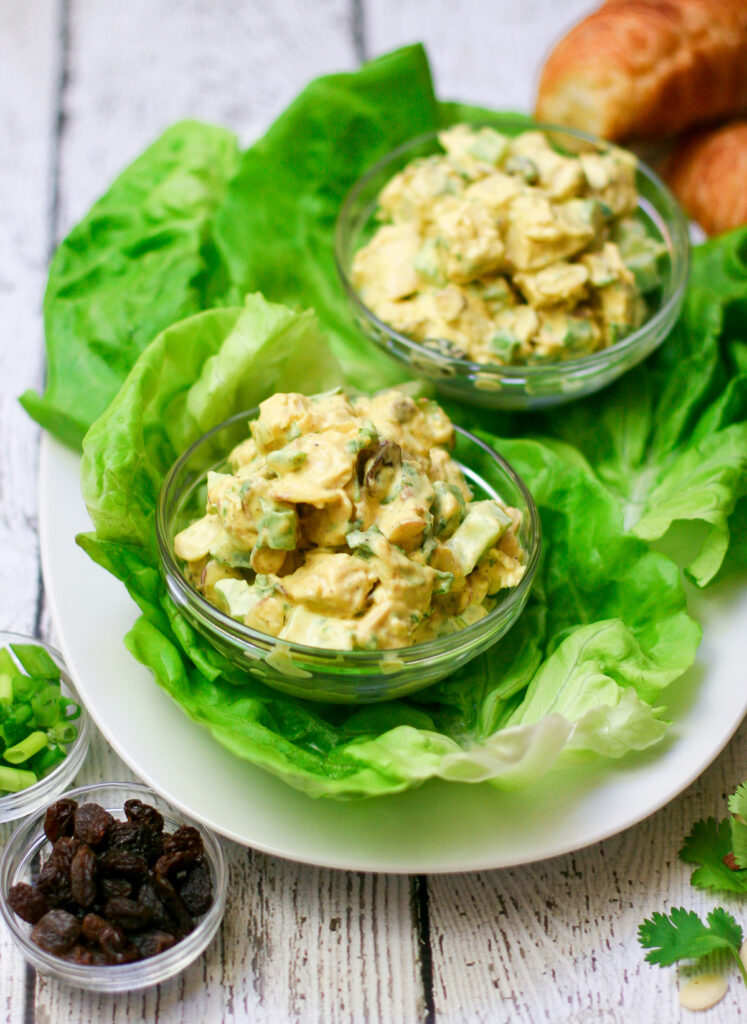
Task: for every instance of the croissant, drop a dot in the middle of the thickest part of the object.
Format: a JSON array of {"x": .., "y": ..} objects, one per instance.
[
  {"x": 648, "y": 68},
  {"x": 708, "y": 174}
]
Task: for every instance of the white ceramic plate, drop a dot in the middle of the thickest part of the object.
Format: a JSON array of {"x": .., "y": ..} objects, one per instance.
[{"x": 439, "y": 827}]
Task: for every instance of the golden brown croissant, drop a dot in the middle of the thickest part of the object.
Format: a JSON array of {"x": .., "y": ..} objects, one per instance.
[
  {"x": 708, "y": 174},
  {"x": 648, "y": 68}
]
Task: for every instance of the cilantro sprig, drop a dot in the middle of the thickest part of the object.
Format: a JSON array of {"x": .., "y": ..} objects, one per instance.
[
  {"x": 709, "y": 845},
  {"x": 683, "y": 936},
  {"x": 719, "y": 851}
]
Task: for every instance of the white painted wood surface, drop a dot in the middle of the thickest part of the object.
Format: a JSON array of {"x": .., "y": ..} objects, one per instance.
[{"x": 84, "y": 85}]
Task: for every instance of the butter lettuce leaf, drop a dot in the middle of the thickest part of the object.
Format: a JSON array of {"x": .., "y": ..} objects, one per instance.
[
  {"x": 141, "y": 259},
  {"x": 275, "y": 228},
  {"x": 581, "y": 675},
  {"x": 669, "y": 439}
]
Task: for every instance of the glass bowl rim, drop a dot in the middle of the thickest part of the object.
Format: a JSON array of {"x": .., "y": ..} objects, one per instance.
[
  {"x": 150, "y": 970},
  {"x": 238, "y": 631},
  {"x": 679, "y": 252},
  {"x": 23, "y": 803}
]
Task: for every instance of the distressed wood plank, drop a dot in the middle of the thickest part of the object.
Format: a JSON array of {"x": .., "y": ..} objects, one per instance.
[
  {"x": 28, "y": 64},
  {"x": 484, "y": 53},
  {"x": 138, "y": 67},
  {"x": 556, "y": 941},
  {"x": 27, "y": 86}
]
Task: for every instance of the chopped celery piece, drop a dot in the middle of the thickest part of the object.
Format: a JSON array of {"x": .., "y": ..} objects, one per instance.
[
  {"x": 278, "y": 527},
  {"x": 286, "y": 460},
  {"x": 484, "y": 525}
]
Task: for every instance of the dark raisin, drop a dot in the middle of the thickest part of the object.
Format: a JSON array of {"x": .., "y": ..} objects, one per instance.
[
  {"x": 56, "y": 932},
  {"x": 144, "y": 814},
  {"x": 174, "y": 905},
  {"x": 133, "y": 836},
  {"x": 122, "y": 862},
  {"x": 148, "y": 897},
  {"x": 54, "y": 877},
  {"x": 27, "y": 901},
  {"x": 128, "y": 914},
  {"x": 153, "y": 942},
  {"x": 173, "y": 863},
  {"x": 197, "y": 890},
  {"x": 114, "y": 887},
  {"x": 116, "y": 945},
  {"x": 185, "y": 838},
  {"x": 86, "y": 957},
  {"x": 109, "y": 937},
  {"x": 91, "y": 925},
  {"x": 83, "y": 876},
  {"x": 58, "y": 820},
  {"x": 92, "y": 823},
  {"x": 78, "y": 954}
]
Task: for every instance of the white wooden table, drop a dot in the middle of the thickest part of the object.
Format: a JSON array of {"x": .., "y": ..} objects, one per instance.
[{"x": 84, "y": 85}]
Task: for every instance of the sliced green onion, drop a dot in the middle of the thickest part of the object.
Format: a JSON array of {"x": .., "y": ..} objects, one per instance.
[
  {"x": 7, "y": 665},
  {"x": 24, "y": 687},
  {"x": 47, "y": 760},
  {"x": 36, "y": 661},
  {"x": 14, "y": 779},
  {"x": 63, "y": 732},
  {"x": 69, "y": 708},
  {"x": 22, "y": 751},
  {"x": 18, "y": 724},
  {"x": 46, "y": 708},
  {"x": 6, "y": 686}
]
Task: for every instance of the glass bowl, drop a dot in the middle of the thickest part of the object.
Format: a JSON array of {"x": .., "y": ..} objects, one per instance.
[
  {"x": 315, "y": 673},
  {"x": 519, "y": 387},
  {"x": 42, "y": 793},
  {"x": 21, "y": 860}
]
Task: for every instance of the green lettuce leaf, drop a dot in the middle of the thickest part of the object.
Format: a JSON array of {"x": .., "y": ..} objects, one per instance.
[
  {"x": 581, "y": 674},
  {"x": 669, "y": 439},
  {"x": 183, "y": 384},
  {"x": 141, "y": 259},
  {"x": 290, "y": 186}
]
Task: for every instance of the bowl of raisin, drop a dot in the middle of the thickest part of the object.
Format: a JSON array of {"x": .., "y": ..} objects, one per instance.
[{"x": 110, "y": 889}]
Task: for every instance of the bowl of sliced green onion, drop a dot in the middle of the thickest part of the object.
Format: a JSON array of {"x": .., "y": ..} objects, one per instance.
[{"x": 44, "y": 728}]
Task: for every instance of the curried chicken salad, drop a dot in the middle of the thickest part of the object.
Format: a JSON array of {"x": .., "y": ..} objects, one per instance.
[
  {"x": 343, "y": 522},
  {"x": 504, "y": 250}
]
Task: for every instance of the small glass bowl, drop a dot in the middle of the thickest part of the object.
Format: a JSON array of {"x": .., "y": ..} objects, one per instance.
[
  {"x": 315, "y": 673},
  {"x": 518, "y": 387},
  {"x": 28, "y": 846},
  {"x": 42, "y": 793}
]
